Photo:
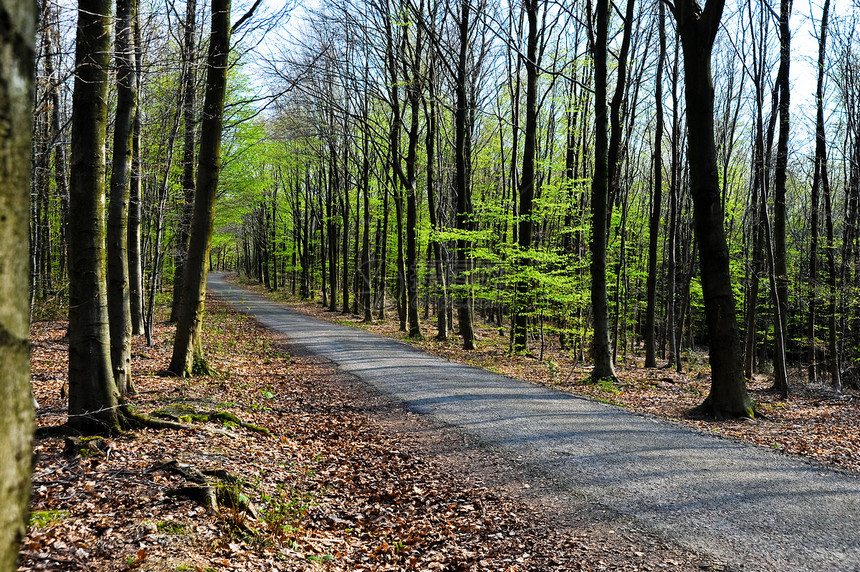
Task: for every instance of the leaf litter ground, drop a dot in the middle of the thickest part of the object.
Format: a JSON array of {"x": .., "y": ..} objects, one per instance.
[{"x": 347, "y": 480}]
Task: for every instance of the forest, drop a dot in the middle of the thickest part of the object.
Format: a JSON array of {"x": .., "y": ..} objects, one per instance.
[
  {"x": 527, "y": 167},
  {"x": 620, "y": 179},
  {"x": 530, "y": 166}
]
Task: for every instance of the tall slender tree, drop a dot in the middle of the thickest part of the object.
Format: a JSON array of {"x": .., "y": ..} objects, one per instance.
[
  {"x": 528, "y": 177},
  {"x": 656, "y": 197},
  {"x": 119, "y": 302},
  {"x": 463, "y": 176},
  {"x": 135, "y": 201},
  {"x": 821, "y": 186},
  {"x": 189, "y": 114},
  {"x": 601, "y": 348},
  {"x": 783, "y": 84}
]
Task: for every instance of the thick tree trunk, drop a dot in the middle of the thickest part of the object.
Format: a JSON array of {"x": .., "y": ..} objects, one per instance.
[
  {"x": 119, "y": 302},
  {"x": 601, "y": 348},
  {"x": 93, "y": 396},
  {"x": 17, "y": 33},
  {"x": 187, "y": 347},
  {"x": 698, "y": 28}
]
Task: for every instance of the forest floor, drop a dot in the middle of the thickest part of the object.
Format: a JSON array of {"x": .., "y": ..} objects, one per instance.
[
  {"x": 814, "y": 422},
  {"x": 345, "y": 479}
]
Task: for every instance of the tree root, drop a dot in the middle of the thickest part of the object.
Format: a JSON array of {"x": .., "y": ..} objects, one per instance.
[
  {"x": 127, "y": 418},
  {"x": 708, "y": 410},
  {"x": 219, "y": 490},
  {"x": 135, "y": 420},
  {"x": 185, "y": 413}
]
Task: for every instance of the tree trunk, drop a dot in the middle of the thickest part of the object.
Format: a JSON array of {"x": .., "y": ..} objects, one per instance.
[
  {"x": 601, "y": 348},
  {"x": 656, "y": 200},
  {"x": 815, "y": 198},
  {"x": 526, "y": 184},
  {"x": 383, "y": 259},
  {"x": 430, "y": 144},
  {"x": 698, "y": 28},
  {"x": 780, "y": 380},
  {"x": 189, "y": 112},
  {"x": 821, "y": 183},
  {"x": 187, "y": 347},
  {"x": 135, "y": 262},
  {"x": 119, "y": 302},
  {"x": 93, "y": 396},
  {"x": 462, "y": 181},
  {"x": 672, "y": 238},
  {"x": 344, "y": 208},
  {"x": 17, "y": 31},
  {"x": 365, "y": 190},
  {"x": 412, "y": 220},
  {"x": 332, "y": 240}
]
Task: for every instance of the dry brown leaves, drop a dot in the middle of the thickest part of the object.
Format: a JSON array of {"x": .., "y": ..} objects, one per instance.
[{"x": 347, "y": 481}]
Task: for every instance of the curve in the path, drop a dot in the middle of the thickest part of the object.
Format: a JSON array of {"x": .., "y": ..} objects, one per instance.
[{"x": 744, "y": 505}]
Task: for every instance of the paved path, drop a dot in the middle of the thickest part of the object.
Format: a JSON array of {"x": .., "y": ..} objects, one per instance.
[{"x": 743, "y": 505}]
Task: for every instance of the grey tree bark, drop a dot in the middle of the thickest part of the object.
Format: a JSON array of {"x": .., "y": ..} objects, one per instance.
[{"x": 93, "y": 395}]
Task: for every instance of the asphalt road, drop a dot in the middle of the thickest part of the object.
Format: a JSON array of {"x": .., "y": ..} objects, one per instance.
[{"x": 747, "y": 506}]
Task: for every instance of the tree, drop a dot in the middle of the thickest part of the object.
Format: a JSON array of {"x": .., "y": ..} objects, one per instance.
[
  {"x": 187, "y": 356},
  {"x": 189, "y": 113},
  {"x": 406, "y": 53},
  {"x": 527, "y": 181},
  {"x": 119, "y": 302},
  {"x": 698, "y": 28},
  {"x": 462, "y": 178},
  {"x": 135, "y": 200},
  {"x": 601, "y": 348},
  {"x": 93, "y": 395},
  {"x": 656, "y": 198},
  {"x": 17, "y": 57},
  {"x": 821, "y": 186},
  {"x": 780, "y": 270}
]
